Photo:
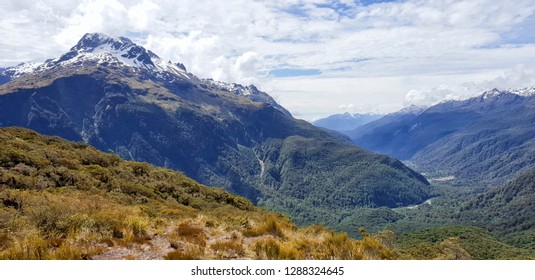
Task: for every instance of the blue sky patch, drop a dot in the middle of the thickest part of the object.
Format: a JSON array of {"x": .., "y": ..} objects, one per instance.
[
  {"x": 521, "y": 34},
  {"x": 297, "y": 10},
  {"x": 340, "y": 8}
]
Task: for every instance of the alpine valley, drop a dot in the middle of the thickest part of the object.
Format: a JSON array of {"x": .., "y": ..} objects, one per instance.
[
  {"x": 144, "y": 138},
  {"x": 478, "y": 153},
  {"x": 482, "y": 141}
]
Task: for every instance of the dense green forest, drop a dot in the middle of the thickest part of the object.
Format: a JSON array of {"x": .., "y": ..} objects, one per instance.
[{"x": 460, "y": 242}]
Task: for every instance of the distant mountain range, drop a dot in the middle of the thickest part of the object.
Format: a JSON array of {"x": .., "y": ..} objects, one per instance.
[
  {"x": 346, "y": 121},
  {"x": 120, "y": 97},
  {"x": 483, "y": 141}
]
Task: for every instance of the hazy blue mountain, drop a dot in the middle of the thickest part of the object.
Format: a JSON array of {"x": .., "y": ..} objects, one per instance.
[
  {"x": 379, "y": 135},
  {"x": 345, "y": 122},
  {"x": 120, "y": 97}
]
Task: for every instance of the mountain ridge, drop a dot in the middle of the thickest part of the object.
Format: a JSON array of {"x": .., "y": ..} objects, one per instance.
[
  {"x": 346, "y": 121},
  {"x": 490, "y": 132}
]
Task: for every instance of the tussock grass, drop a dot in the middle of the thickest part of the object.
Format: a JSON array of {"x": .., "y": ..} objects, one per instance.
[
  {"x": 190, "y": 253},
  {"x": 275, "y": 225},
  {"x": 191, "y": 233},
  {"x": 273, "y": 249},
  {"x": 228, "y": 248}
]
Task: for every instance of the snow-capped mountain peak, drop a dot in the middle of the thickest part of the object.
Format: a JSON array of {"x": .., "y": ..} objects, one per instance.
[
  {"x": 102, "y": 49},
  {"x": 121, "y": 48},
  {"x": 527, "y": 91},
  {"x": 97, "y": 49},
  {"x": 496, "y": 94},
  {"x": 91, "y": 42},
  {"x": 491, "y": 93}
]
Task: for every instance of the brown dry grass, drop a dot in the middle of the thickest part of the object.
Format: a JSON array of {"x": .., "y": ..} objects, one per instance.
[{"x": 228, "y": 248}]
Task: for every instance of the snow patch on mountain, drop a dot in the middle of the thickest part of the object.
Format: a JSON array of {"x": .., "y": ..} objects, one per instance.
[
  {"x": 497, "y": 94},
  {"x": 233, "y": 87},
  {"x": 491, "y": 94},
  {"x": 412, "y": 109},
  {"x": 21, "y": 69},
  {"x": 106, "y": 48},
  {"x": 528, "y": 91}
]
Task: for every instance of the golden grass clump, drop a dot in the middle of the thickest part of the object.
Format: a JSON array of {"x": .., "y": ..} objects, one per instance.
[
  {"x": 191, "y": 233},
  {"x": 189, "y": 253},
  {"x": 272, "y": 249},
  {"x": 275, "y": 225},
  {"x": 228, "y": 248},
  {"x": 32, "y": 247}
]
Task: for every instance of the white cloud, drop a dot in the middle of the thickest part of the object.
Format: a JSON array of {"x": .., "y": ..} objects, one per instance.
[
  {"x": 346, "y": 106},
  {"x": 369, "y": 56},
  {"x": 435, "y": 95},
  {"x": 140, "y": 15},
  {"x": 108, "y": 16},
  {"x": 245, "y": 68},
  {"x": 517, "y": 77}
]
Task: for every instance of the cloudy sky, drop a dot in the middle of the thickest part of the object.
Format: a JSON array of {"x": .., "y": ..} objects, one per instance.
[{"x": 316, "y": 57}]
